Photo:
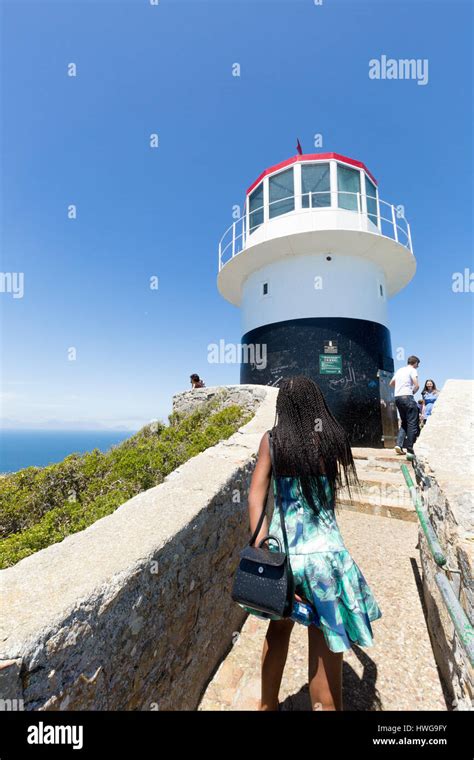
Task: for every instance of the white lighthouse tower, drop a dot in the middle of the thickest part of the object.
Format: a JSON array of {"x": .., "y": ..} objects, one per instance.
[{"x": 312, "y": 263}]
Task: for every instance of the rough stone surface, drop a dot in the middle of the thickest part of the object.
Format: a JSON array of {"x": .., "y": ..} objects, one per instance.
[
  {"x": 135, "y": 612},
  {"x": 445, "y": 452},
  {"x": 246, "y": 396}
]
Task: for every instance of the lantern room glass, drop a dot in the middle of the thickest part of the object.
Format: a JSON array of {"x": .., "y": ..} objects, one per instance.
[
  {"x": 314, "y": 183},
  {"x": 348, "y": 185},
  {"x": 316, "y": 189},
  {"x": 256, "y": 208},
  {"x": 371, "y": 194},
  {"x": 282, "y": 193}
]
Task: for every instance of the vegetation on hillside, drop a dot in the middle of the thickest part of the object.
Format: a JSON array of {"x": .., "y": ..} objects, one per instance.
[{"x": 40, "y": 506}]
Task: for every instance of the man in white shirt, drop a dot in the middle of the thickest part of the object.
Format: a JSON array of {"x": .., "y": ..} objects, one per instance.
[{"x": 405, "y": 381}]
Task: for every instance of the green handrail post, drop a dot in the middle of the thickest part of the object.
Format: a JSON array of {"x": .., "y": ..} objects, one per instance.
[{"x": 424, "y": 519}]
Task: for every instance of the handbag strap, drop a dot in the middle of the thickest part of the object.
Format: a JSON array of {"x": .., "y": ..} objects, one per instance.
[{"x": 277, "y": 502}]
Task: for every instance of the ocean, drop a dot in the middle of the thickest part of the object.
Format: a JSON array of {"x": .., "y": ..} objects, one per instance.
[{"x": 26, "y": 448}]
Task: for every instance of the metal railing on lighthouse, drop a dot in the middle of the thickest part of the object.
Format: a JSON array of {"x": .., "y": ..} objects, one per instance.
[{"x": 370, "y": 211}]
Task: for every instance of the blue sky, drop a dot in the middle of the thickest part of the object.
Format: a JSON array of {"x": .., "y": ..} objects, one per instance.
[{"x": 144, "y": 212}]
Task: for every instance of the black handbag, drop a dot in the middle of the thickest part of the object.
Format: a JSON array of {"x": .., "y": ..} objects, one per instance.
[{"x": 264, "y": 580}]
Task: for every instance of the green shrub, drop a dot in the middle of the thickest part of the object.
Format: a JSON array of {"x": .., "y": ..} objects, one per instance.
[{"x": 40, "y": 506}]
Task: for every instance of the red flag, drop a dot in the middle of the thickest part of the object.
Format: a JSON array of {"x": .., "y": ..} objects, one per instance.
[{"x": 299, "y": 148}]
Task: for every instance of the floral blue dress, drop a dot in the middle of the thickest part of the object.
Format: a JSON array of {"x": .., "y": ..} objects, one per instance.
[{"x": 324, "y": 572}]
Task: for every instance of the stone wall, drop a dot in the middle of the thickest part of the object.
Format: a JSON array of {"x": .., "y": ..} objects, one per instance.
[
  {"x": 135, "y": 612},
  {"x": 445, "y": 451}
]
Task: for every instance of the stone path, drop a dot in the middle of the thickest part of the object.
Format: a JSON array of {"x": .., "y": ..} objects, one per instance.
[{"x": 397, "y": 673}]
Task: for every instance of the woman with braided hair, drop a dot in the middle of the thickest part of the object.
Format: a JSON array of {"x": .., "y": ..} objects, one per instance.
[{"x": 312, "y": 460}]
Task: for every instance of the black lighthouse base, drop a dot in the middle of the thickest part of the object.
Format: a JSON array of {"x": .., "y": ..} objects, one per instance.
[{"x": 350, "y": 359}]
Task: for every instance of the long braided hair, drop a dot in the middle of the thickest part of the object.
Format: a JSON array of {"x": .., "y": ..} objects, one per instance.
[{"x": 310, "y": 442}]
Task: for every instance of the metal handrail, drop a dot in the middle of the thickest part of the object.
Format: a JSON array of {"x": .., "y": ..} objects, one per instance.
[
  {"x": 424, "y": 519},
  {"x": 461, "y": 623},
  {"x": 240, "y": 235},
  {"x": 459, "y": 618}
]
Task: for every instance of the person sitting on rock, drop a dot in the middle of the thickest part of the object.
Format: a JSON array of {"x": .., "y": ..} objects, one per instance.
[{"x": 196, "y": 381}]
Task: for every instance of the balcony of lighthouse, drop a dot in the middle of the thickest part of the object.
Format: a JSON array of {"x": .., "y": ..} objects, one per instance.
[{"x": 309, "y": 205}]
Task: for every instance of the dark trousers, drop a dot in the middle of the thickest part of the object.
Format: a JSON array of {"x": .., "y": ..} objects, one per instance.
[{"x": 409, "y": 416}]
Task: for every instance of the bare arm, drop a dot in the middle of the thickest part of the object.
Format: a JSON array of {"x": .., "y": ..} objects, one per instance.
[
  {"x": 392, "y": 381},
  {"x": 259, "y": 488}
]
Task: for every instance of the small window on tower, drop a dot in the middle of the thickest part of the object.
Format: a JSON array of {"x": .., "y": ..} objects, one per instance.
[
  {"x": 381, "y": 290},
  {"x": 265, "y": 289}
]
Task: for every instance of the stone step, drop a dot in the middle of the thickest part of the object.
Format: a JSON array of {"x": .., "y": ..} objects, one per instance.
[
  {"x": 378, "y": 465},
  {"x": 367, "y": 474},
  {"x": 381, "y": 493},
  {"x": 381, "y": 485},
  {"x": 377, "y": 459},
  {"x": 366, "y": 453},
  {"x": 388, "y": 508}
]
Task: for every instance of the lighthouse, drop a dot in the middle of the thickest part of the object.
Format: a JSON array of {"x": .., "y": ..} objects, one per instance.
[{"x": 311, "y": 264}]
